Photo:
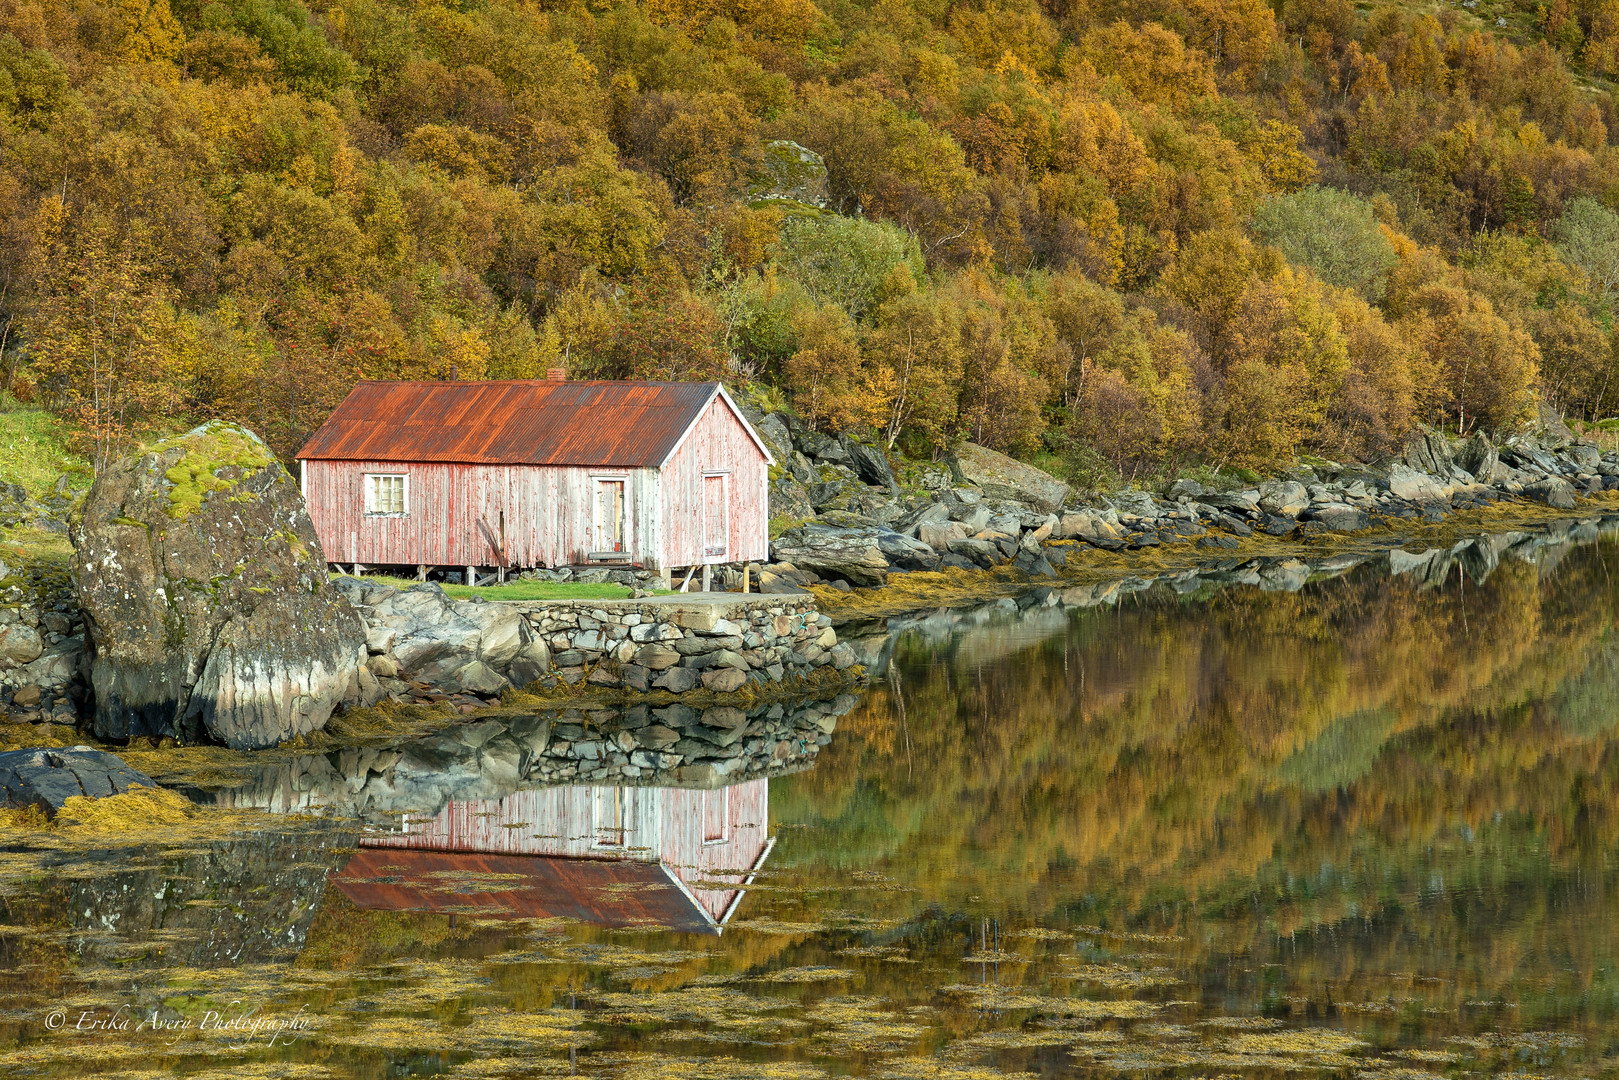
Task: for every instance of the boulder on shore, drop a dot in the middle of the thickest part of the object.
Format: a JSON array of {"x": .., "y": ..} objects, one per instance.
[
  {"x": 47, "y": 778},
  {"x": 1479, "y": 457},
  {"x": 871, "y": 465},
  {"x": 1001, "y": 477},
  {"x": 207, "y": 599},
  {"x": 853, "y": 555},
  {"x": 1554, "y": 491},
  {"x": 1429, "y": 452},
  {"x": 1414, "y": 486}
]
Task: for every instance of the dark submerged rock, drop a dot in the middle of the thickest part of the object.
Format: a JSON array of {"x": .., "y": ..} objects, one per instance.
[{"x": 48, "y": 778}]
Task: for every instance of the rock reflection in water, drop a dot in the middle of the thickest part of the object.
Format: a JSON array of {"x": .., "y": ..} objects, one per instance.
[
  {"x": 630, "y": 816},
  {"x": 204, "y": 901},
  {"x": 496, "y": 755},
  {"x": 1041, "y": 613}
]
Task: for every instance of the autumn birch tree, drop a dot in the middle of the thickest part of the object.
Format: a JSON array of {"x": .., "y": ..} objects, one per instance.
[{"x": 104, "y": 340}]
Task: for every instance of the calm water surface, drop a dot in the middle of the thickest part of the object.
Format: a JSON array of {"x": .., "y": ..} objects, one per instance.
[{"x": 1219, "y": 825}]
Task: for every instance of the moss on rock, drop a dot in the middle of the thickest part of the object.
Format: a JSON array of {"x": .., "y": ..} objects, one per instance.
[{"x": 204, "y": 452}]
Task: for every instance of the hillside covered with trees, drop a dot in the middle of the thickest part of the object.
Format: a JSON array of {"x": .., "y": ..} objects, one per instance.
[{"x": 1117, "y": 237}]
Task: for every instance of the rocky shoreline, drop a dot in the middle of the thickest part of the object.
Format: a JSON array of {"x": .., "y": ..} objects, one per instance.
[
  {"x": 853, "y": 526},
  {"x": 1038, "y": 609}
]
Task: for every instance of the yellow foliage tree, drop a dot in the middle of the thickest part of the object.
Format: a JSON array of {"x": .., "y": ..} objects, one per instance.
[
  {"x": 917, "y": 343},
  {"x": 104, "y": 338},
  {"x": 1152, "y": 63},
  {"x": 1485, "y": 368},
  {"x": 834, "y": 386},
  {"x": 1286, "y": 360}
]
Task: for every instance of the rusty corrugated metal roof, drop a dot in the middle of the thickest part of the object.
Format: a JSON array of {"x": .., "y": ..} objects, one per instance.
[
  {"x": 516, "y": 422},
  {"x": 607, "y": 892}
]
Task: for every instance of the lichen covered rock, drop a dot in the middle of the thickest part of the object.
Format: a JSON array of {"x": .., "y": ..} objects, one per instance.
[
  {"x": 1001, "y": 477},
  {"x": 790, "y": 173},
  {"x": 206, "y": 595}
]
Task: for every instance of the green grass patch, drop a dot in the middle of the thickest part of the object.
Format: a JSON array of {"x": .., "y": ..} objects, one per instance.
[
  {"x": 36, "y": 449},
  {"x": 520, "y": 590}
]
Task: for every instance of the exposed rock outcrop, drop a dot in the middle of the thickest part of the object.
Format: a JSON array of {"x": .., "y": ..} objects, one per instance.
[
  {"x": 1001, "y": 477},
  {"x": 789, "y": 173},
  {"x": 48, "y": 778},
  {"x": 206, "y": 594}
]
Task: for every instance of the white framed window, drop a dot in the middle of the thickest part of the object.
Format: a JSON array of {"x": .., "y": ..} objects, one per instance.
[{"x": 387, "y": 493}]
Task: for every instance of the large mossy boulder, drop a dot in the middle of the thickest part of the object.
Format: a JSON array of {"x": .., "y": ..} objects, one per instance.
[
  {"x": 207, "y": 599},
  {"x": 790, "y": 174}
]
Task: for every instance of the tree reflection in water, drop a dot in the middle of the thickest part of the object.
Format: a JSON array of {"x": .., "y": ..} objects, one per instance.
[{"x": 1348, "y": 816}]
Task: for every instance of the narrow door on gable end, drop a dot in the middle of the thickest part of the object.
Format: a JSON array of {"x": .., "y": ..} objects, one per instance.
[{"x": 716, "y": 519}]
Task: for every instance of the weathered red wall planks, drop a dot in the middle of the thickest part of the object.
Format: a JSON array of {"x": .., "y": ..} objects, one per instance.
[
  {"x": 716, "y": 444},
  {"x": 467, "y": 515},
  {"x": 666, "y": 825}
]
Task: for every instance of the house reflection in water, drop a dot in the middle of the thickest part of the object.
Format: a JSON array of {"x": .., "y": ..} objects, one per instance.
[{"x": 676, "y": 858}]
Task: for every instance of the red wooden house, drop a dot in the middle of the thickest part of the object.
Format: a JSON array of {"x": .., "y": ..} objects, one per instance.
[{"x": 537, "y": 473}]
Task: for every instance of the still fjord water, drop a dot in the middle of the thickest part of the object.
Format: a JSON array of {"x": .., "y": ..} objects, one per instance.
[{"x": 1214, "y": 825}]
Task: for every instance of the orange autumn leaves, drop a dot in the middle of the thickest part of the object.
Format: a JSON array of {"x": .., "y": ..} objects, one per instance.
[{"x": 1120, "y": 237}]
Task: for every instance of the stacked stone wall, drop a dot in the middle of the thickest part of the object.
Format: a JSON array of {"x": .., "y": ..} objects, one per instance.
[{"x": 720, "y": 648}]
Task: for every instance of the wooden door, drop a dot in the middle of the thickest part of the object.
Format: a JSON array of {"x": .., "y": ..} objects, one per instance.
[
  {"x": 716, "y": 519},
  {"x": 717, "y": 816},
  {"x": 487, "y": 497},
  {"x": 609, "y": 515}
]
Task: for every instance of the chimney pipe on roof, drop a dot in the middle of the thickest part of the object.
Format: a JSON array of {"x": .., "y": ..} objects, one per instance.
[{"x": 556, "y": 374}]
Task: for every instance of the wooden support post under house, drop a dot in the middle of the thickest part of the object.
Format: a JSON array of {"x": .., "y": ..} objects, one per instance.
[
  {"x": 421, "y": 571},
  {"x": 472, "y": 575},
  {"x": 708, "y": 578},
  {"x": 358, "y": 570},
  {"x": 746, "y": 567}
]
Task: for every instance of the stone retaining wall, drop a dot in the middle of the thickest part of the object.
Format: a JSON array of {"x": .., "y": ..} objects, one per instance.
[
  {"x": 719, "y": 646},
  {"x": 427, "y": 646}
]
